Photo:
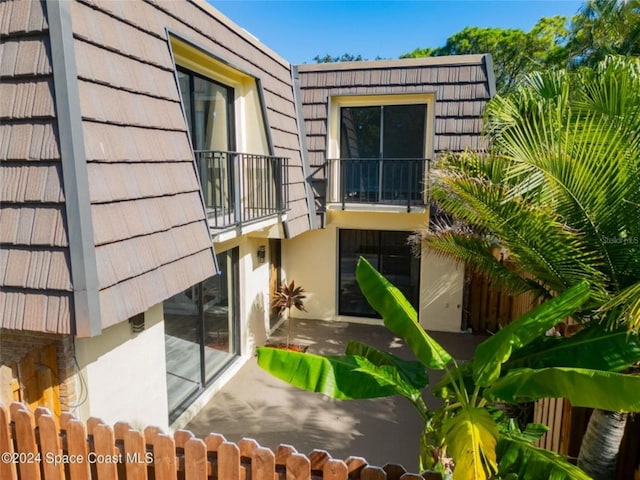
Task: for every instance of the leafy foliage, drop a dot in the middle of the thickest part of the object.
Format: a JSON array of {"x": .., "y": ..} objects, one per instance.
[
  {"x": 515, "y": 52},
  {"x": 471, "y": 436},
  {"x": 288, "y": 296},
  {"x": 558, "y": 139},
  {"x": 467, "y": 434},
  {"x": 604, "y": 27},
  {"x": 599, "y": 29}
]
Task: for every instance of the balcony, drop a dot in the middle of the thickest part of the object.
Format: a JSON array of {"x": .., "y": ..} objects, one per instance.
[
  {"x": 240, "y": 188},
  {"x": 381, "y": 181}
]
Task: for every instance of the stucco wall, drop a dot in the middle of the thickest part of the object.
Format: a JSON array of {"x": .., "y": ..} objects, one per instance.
[
  {"x": 125, "y": 374},
  {"x": 311, "y": 260}
]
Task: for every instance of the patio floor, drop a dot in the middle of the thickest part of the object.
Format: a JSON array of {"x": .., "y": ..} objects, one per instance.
[{"x": 256, "y": 405}]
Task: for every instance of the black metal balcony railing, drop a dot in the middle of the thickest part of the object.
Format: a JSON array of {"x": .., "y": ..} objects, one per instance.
[
  {"x": 241, "y": 187},
  {"x": 389, "y": 181}
]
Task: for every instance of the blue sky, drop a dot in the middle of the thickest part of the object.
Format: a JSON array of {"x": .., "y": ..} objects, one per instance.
[{"x": 299, "y": 30}]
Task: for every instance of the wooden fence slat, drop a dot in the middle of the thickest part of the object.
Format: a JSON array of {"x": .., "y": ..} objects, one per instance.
[
  {"x": 164, "y": 458},
  {"x": 77, "y": 449},
  {"x": 393, "y": 471},
  {"x": 7, "y": 469},
  {"x": 92, "y": 423},
  {"x": 355, "y": 465},
  {"x": 411, "y": 476},
  {"x": 373, "y": 473},
  {"x": 120, "y": 430},
  {"x": 181, "y": 437},
  {"x": 229, "y": 461},
  {"x": 556, "y": 426},
  {"x": 213, "y": 441},
  {"x": 135, "y": 455},
  {"x": 263, "y": 464},
  {"x": 318, "y": 458},
  {"x": 28, "y": 465},
  {"x": 247, "y": 446},
  {"x": 106, "y": 454},
  {"x": 298, "y": 467},
  {"x": 50, "y": 448},
  {"x": 334, "y": 470},
  {"x": 196, "y": 464},
  {"x": 283, "y": 452},
  {"x": 150, "y": 435}
]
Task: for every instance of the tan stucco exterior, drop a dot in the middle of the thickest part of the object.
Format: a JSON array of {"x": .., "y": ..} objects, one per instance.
[
  {"x": 123, "y": 374},
  {"x": 312, "y": 261}
]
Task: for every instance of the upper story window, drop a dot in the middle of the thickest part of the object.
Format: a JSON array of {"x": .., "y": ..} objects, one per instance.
[
  {"x": 209, "y": 109},
  {"x": 385, "y": 131},
  {"x": 379, "y": 148},
  {"x": 241, "y": 182}
]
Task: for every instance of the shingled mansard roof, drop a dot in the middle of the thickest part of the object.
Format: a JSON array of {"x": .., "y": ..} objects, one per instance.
[
  {"x": 101, "y": 214},
  {"x": 461, "y": 84}
]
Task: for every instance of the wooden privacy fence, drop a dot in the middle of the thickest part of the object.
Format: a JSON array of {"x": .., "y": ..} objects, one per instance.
[
  {"x": 33, "y": 446},
  {"x": 488, "y": 308}
]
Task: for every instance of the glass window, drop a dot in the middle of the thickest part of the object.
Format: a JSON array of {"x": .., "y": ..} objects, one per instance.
[
  {"x": 389, "y": 253},
  {"x": 381, "y": 152},
  {"x": 208, "y": 106},
  {"x": 201, "y": 333}
]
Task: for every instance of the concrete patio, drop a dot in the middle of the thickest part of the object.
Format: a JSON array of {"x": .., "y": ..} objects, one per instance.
[{"x": 256, "y": 405}]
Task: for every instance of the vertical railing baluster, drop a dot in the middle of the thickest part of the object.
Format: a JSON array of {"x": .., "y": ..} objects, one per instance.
[
  {"x": 342, "y": 182},
  {"x": 239, "y": 187}
]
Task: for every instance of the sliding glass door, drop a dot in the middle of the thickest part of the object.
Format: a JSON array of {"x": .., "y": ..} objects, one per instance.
[
  {"x": 389, "y": 253},
  {"x": 382, "y": 151},
  {"x": 201, "y": 333}
]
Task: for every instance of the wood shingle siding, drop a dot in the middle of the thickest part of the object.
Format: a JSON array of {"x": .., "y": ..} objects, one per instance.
[
  {"x": 34, "y": 256},
  {"x": 146, "y": 214},
  {"x": 148, "y": 217}
]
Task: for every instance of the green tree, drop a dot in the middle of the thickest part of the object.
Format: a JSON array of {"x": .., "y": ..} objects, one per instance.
[
  {"x": 559, "y": 195},
  {"x": 515, "y": 52},
  {"x": 604, "y": 27},
  {"x": 345, "y": 57},
  {"x": 468, "y": 436}
]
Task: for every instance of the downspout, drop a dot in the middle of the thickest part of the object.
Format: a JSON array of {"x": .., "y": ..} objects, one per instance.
[{"x": 86, "y": 321}]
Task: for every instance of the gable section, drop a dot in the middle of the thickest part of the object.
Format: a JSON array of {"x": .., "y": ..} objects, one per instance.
[
  {"x": 200, "y": 24},
  {"x": 459, "y": 86},
  {"x": 139, "y": 162}
]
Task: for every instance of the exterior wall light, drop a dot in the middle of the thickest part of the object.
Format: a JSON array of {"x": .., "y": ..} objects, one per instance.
[{"x": 262, "y": 254}]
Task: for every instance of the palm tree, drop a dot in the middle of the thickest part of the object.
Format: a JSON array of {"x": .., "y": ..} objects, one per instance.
[
  {"x": 559, "y": 195},
  {"x": 604, "y": 27}
]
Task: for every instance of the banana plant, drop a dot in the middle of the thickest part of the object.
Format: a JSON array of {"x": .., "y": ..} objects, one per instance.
[{"x": 469, "y": 436}]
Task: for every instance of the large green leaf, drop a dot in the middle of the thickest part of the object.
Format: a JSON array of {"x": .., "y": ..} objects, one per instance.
[
  {"x": 517, "y": 455},
  {"x": 471, "y": 437},
  {"x": 611, "y": 391},
  {"x": 593, "y": 347},
  {"x": 345, "y": 377},
  {"x": 496, "y": 350},
  {"x": 399, "y": 316},
  {"x": 412, "y": 372}
]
